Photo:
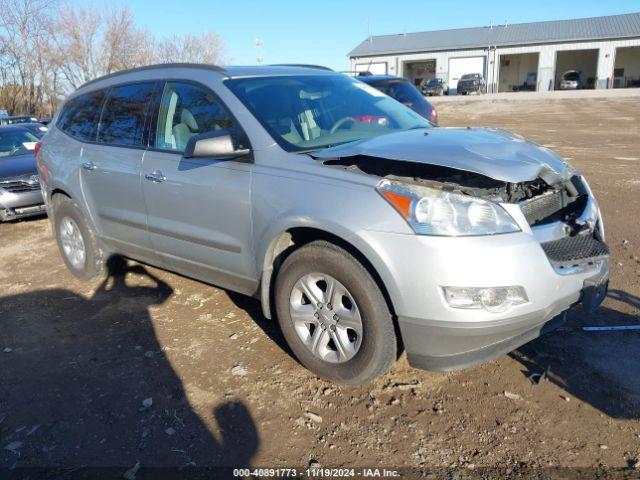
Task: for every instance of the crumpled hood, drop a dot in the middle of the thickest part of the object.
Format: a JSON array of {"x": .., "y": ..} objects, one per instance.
[
  {"x": 492, "y": 152},
  {"x": 18, "y": 165}
]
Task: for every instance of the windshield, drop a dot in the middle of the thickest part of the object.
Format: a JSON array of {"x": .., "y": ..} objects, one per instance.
[
  {"x": 434, "y": 81},
  {"x": 317, "y": 111},
  {"x": 470, "y": 76},
  {"x": 16, "y": 142},
  {"x": 572, "y": 76}
]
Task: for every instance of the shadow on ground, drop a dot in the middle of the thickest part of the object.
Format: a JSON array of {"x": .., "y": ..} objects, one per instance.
[
  {"x": 92, "y": 386},
  {"x": 598, "y": 368},
  {"x": 270, "y": 327}
]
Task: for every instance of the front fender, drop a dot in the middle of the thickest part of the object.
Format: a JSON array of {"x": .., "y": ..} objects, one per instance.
[
  {"x": 306, "y": 194},
  {"x": 277, "y": 238}
]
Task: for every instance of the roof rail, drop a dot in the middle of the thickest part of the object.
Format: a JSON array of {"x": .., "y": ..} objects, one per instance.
[
  {"x": 204, "y": 66},
  {"x": 303, "y": 65}
]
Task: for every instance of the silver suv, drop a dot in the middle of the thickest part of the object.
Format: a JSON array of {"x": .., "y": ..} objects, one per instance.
[{"x": 360, "y": 227}]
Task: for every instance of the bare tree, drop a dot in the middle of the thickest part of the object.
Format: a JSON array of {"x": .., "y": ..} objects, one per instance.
[
  {"x": 205, "y": 48},
  {"x": 91, "y": 43},
  {"x": 45, "y": 52},
  {"x": 76, "y": 35},
  {"x": 22, "y": 28},
  {"x": 124, "y": 44}
]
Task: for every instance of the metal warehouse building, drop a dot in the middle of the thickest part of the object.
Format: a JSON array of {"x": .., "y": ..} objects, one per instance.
[{"x": 526, "y": 56}]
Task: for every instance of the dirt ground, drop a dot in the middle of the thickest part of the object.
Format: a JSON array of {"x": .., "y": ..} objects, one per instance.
[{"x": 154, "y": 369}]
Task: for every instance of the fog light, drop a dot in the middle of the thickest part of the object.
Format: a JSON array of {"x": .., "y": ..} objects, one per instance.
[{"x": 492, "y": 299}]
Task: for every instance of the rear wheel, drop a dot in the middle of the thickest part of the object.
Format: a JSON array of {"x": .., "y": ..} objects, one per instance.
[
  {"x": 333, "y": 315},
  {"x": 77, "y": 243}
]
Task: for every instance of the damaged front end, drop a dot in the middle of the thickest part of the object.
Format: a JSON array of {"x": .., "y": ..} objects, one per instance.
[
  {"x": 560, "y": 212},
  {"x": 541, "y": 203}
]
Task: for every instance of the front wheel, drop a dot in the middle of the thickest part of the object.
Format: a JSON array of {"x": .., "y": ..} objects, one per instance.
[{"x": 333, "y": 315}]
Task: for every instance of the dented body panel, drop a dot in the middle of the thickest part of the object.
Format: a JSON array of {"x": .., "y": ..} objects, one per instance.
[{"x": 495, "y": 153}]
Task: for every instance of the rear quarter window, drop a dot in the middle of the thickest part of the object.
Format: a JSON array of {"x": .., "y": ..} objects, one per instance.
[{"x": 79, "y": 117}]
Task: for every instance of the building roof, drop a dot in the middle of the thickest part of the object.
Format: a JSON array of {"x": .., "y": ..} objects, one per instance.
[{"x": 581, "y": 29}]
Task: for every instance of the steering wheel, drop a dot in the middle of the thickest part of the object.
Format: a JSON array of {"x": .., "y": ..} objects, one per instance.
[{"x": 339, "y": 123}]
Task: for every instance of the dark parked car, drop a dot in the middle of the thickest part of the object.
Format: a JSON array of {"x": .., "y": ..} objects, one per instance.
[
  {"x": 38, "y": 129},
  {"x": 20, "y": 194},
  {"x": 435, "y": 86},
  {"x": 403, "y": 91},
  {"x": 471, "y": 83},
  {"x": 17, "y": 119}
]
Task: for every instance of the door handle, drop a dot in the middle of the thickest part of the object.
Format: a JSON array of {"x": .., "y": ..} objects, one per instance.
[
  {"x": 89, "y": 166},
  {"x": 155, "y": 177}
]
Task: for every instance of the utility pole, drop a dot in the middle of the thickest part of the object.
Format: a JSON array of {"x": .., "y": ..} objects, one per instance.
[{"x": 259, "y": 42}]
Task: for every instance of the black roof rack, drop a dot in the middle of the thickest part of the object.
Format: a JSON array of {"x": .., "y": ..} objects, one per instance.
[
  {"x": 302, "y": 65},
  {"x": 203, "y": 66}
]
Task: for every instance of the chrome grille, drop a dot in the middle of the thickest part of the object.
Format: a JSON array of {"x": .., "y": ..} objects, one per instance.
[{"x": 20, "y": 186}]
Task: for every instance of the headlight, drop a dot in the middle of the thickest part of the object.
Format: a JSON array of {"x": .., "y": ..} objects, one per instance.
[
  {"x": 435, "y": 212},
  {"x": 492, "y": 299}
]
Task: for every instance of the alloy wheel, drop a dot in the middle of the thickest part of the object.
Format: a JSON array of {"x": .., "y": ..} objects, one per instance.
[
  {"x": 72, "y": 243},
  {"x": 326, "y": 317}
]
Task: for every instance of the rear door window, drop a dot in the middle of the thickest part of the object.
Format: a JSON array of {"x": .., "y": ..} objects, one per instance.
[
  {"x": 124, "y": 114},
  {"x": 79, "y": 118}
]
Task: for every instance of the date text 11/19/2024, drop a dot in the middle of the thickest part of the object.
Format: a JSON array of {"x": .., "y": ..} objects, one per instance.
[{"x": 315, "y": 472}]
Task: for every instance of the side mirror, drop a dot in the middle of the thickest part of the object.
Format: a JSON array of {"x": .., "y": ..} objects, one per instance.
[{"x": 217, "y": 144}]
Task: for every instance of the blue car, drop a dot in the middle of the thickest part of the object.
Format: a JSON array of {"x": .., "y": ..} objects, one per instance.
[{"x": 403, "y": 91}]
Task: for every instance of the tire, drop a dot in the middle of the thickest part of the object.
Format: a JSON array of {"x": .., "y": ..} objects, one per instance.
[
  {"x": 70, "y": 227},
  {"x": 378, "y": 344}
]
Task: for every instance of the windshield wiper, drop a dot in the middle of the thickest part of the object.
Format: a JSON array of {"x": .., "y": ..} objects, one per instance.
[
  {"x": 310, "y": 150},
  {"x": 329, "y": 145}
]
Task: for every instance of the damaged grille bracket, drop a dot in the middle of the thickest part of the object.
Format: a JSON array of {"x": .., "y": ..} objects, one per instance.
[{"x": 575, "y": 254}]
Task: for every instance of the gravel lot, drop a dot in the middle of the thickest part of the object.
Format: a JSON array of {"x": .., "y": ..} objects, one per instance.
[{"x": 154, "y": 368}]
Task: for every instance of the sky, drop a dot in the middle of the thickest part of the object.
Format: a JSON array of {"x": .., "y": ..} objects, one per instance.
[{"x": 324, "y": 31}]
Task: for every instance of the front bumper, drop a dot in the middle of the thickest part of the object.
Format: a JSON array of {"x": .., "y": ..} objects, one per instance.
[
  {"x": 439, "y": 337},
  {"x": 14, "y": 206},
  {"x": 446, "y": 346}
]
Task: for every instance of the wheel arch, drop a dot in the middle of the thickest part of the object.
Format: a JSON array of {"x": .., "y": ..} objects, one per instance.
[
  {"x": 294, "y": 237},
  {"x": 51, "y": 211}
]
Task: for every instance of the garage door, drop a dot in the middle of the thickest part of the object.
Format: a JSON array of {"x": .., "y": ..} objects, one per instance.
[
  {"x": 461, "y": 66},
  {"x": 375, "y": 68}
]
